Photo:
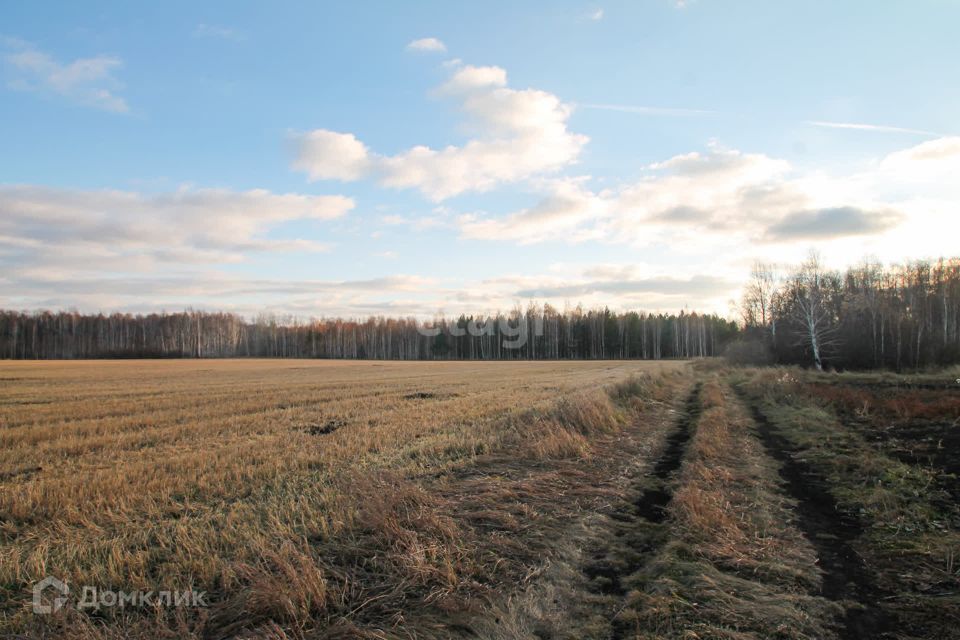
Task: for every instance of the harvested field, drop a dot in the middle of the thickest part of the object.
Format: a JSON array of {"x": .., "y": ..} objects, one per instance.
[
  {"x": 540, "y": 500},
  {"x": 316, "y": 497}
]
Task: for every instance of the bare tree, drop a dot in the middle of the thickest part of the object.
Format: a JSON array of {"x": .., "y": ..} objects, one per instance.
[
  {"x": 811, "y": 308},
  {"x": 538, "y": 333},
  {"x": 758, "y": 298}
]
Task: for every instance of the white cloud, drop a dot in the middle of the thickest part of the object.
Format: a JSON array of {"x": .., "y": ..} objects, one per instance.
[
  {"x": 597, "y": 15},
  {"x": 470, "y": 78},
  {"x": 833, "y": 222},
  {"x": 105, "y": 231},
  {"x": 86, "y": 81},
  {"x": 216, "y": 290},
  {"x": 122, "y": 250},
  {"x": 326, "y": 154},
  {"x": 627, "y": 287},
  {"x": 427, "y": 45},
  {"x": 932, "y": 160},
  {"x": 869, "y": 127},
  {"x": 713, "y": 188},
  {"x": 564, "y": 210},
  {"x": 519, "y": 134},
  {"x": 706, "y": 205}
]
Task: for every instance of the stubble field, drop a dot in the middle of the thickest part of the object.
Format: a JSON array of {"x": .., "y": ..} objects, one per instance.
[
  {"x": 291, "y": 492},
  {"x": 560, "y": 500}
]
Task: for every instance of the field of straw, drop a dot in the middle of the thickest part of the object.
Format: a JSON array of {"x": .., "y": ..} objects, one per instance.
[
  {"x": 305, "y": 498},
  {"x": 329, "y": 500}
]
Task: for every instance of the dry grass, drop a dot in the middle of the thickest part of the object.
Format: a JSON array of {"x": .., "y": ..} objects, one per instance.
[
  {"x": 728, "y": 503},
  {"x": 736, "y": 566},
  {"x": 321, "y": 500},
  {"x": 901, "y": 405},
  {"x": 294, "y": 492},
  {"x": 888, "y": 494},
  {"x": 911, "y": 524}
]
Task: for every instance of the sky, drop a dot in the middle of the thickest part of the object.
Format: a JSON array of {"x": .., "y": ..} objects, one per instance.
[{"x": 377, "y": 158}]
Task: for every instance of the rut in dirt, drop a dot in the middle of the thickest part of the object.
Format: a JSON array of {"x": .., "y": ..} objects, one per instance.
[
  {"x": 845, "y": 577},
  {"x": 653, "y": 501},
  {"x": 640, "y": 529}
]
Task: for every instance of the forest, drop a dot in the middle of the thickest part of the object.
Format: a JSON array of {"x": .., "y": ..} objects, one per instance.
[
  {"x": 869, "y": 316},
  {"x": 537, "y": 333}
]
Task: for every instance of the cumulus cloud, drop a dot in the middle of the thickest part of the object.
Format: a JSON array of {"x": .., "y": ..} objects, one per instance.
[
  {"x": 934, "y": 160},
  {"x": 427, "y": 45},
  {"x": 324, "y": 154},
  {"x": 710, "y": 189},
  {"x": 566, "y": 207},
  {"x": 683, "y": 214},
  {"x": 832, "y": 222},
  {"x": 130, "y": 251},
  {"x": 85, "y": 81},
  {"x": 108, "y": 230},
  {"x": 518, "y": 134},
  {"x": 695, "y": 202},
  {"x": 470, "y": 78}
]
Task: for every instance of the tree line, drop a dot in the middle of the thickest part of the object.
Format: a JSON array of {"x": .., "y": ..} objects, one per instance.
[
  {"x": 539, "y": 332},
  {"x": 869, "y": 316},
  {"x": 900, "y": 316}
]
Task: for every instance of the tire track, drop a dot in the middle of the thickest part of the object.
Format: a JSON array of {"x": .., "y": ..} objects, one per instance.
[
  {"x": 846, "y": 578},
  {"x": 639, "y": 527},
  {"x": 653, "y": 501}
]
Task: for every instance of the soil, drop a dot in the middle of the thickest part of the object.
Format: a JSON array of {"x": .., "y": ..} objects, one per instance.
[
  {"x": 640, "y": 531},
  {"x": 845, "y": 577}
]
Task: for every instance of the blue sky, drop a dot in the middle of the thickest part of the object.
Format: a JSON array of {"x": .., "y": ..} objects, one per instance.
[{"x": 357, "y": 158}]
